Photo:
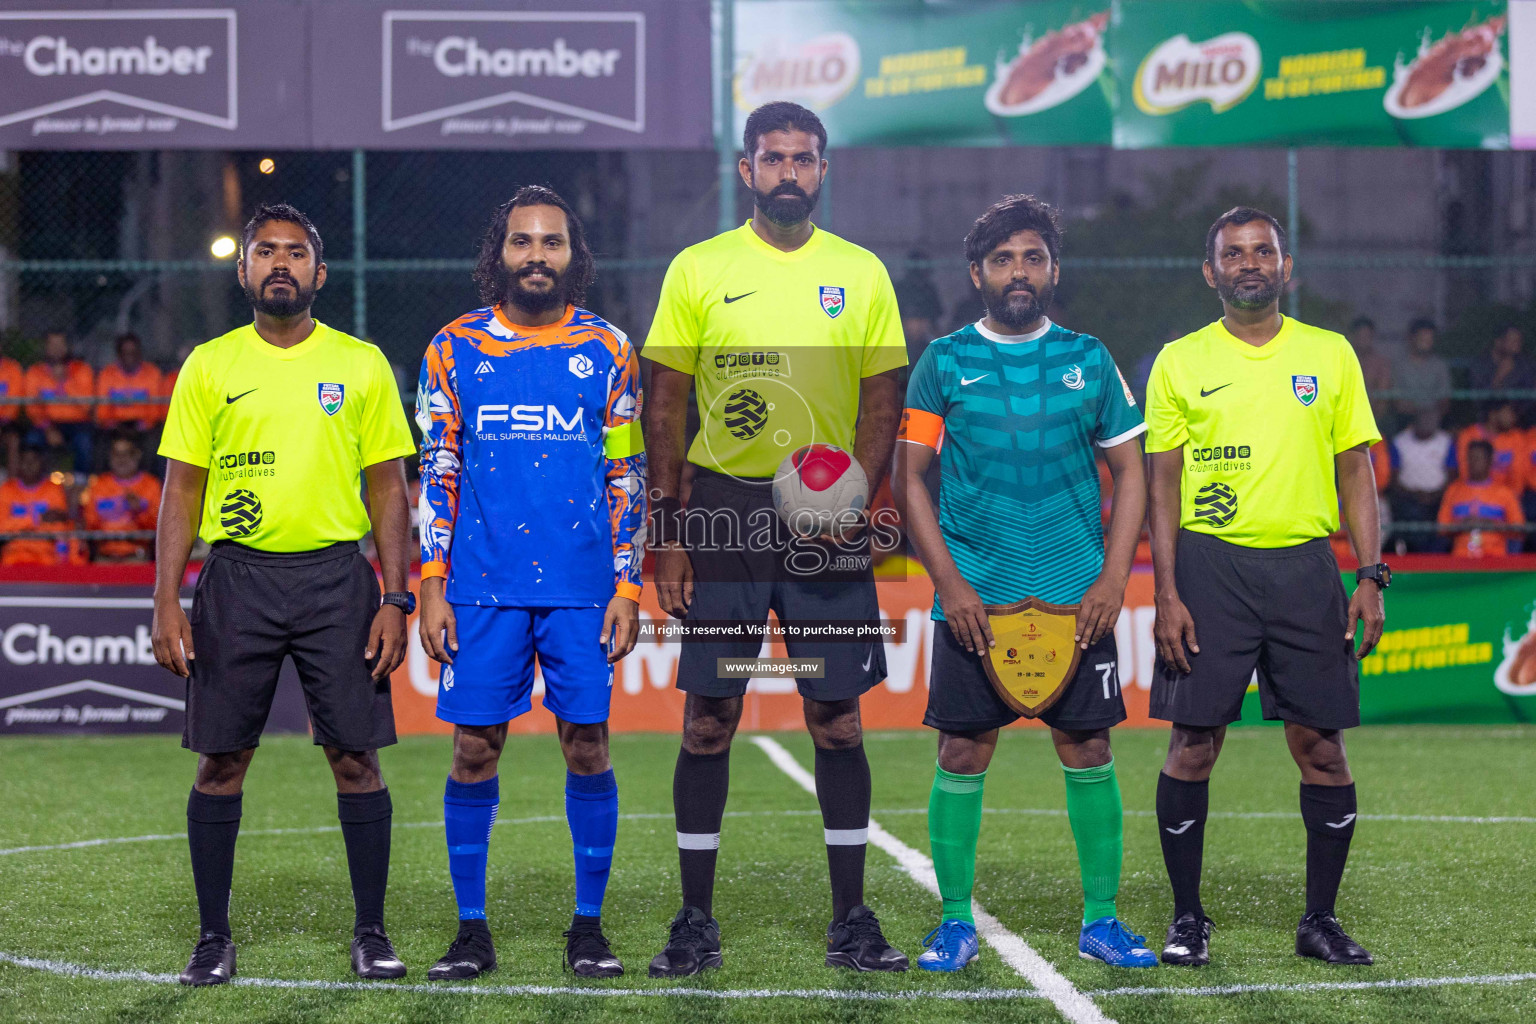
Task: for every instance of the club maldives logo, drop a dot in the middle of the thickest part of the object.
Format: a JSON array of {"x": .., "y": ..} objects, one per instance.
[
  {"x": 816, "y": 72},
  {"x": 1305, "y": 389},
  {"x": 1221, "y": 71},
  {"x": 832, "y": 301},
  {"x": 165, "y": 66},
  {"x": 459, "y": 69}
]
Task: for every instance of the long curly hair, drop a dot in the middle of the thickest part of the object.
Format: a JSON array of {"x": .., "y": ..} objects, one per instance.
[{"x": 491, "y": 274}]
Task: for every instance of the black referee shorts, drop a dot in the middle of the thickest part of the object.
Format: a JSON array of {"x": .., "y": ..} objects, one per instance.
[
  {"x": 734, "y": 585},
  {"x": 1281, "y": 611},
  {"x": 253, "y": 608},
  {"x": 961, "y": 699}
]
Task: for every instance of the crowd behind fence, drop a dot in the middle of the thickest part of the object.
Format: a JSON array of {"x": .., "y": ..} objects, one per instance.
[{"x": 100, "y": 250}]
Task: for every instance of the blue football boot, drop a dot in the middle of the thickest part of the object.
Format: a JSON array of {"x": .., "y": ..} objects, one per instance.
[
  {"x": 950, "y": 947},
  {"x": 1111, "y": 942}
]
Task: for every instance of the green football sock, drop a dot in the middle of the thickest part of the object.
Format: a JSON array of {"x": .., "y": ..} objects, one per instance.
[
  {"x": 1098, "y": 824},
  {"x": 954, "y": 822}
]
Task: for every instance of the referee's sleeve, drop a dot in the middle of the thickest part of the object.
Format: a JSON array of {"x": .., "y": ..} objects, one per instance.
[
  {"x": 885, "y": 344},
  {"x": 383, "y": 433},
  {"x": 188, "y": 434},
  {"x": 1353, "y": 422},
  {"x": 1167, "y": 427},
  {"x": 673, "y": 339}
]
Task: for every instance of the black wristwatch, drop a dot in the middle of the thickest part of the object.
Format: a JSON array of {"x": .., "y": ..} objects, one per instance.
[
  {"x": 402, "y": 599},
  {"x": 1380, "y": 574}
]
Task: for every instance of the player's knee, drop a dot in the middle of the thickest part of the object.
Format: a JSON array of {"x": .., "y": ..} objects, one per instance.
[
  {"x": 834, "y": 725},
  {"x": 707, "y": 736},
  {"x": 1190, "y": 758},
  {"x": 355, "y": 770},
  {"x": 222, "y": 774},
  {"x": 585, "y": 749}
]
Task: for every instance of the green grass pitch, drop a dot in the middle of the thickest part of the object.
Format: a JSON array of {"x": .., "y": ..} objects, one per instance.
[{"x": 1433, "y": 899}]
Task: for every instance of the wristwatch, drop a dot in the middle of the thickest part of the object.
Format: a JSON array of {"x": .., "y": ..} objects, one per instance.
[
  {"x": 402, "y": 599},
  {"x": 1380, "y": 574}
]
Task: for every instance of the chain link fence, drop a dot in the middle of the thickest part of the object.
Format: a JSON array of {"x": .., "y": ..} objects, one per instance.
[{"x": 96, "y": 244}]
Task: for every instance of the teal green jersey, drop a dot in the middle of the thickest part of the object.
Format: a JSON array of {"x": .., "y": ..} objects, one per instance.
[{"x": 1016, "y": 419}]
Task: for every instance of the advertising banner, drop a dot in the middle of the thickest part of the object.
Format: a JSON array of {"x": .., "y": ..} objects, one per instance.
[
  {"x": 177, "y": 77},
  {"x": 1278, "y": 72},
  {"x": 77, "y": 659},
  {"x": 913, "y": 73},
  {"x": 578, "y": 74}
]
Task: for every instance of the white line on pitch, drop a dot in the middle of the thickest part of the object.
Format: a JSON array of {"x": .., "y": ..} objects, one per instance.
[
  {"x": 66, "y": 969},
  {"x": 1016, "y": 953}
]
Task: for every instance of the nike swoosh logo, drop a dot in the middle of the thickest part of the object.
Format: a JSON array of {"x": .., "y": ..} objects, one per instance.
[
  {"x": 1207, "y": 394},
  {"x": 964, "y": 381},
  {"x": 1341, "y": 824},
  {"x": 868, "y": 657},
  {"x": 231, "y": 400},
  {"x": 1183, "y": 827},
  {"x": 734, "y": 298}
]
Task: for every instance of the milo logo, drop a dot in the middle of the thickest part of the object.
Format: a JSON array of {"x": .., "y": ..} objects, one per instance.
[{"x": 1221, "y": 71}]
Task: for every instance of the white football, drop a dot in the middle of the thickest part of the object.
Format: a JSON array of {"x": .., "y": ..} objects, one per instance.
[{"x": 815, "y": 485}]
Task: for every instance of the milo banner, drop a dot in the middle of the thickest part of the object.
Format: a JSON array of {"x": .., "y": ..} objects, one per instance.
[
  {"x": 1195, "y": 73},
  {"x": 916, "y": 73},
  {"x": 1458, "y": 647},
  {"x": 1139, "y": 74}
]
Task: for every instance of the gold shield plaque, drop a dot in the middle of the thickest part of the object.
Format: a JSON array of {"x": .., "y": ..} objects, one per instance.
[{"x": 1036, "y": 655}]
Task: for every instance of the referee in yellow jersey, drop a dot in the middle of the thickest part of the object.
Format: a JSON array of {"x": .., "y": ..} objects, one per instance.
[
  {"x": 1250, "y": 421},
  {"x": 271, "y": 431},
  {"x": 788, "y": 335}
]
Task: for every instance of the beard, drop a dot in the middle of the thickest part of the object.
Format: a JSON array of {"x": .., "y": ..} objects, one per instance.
[
  {"x": 787, "y": 205},
  {"x": 1017, "y": 305},
  {"x": 277, "y": 307},
  {"x": 1249, "y": 293},
  {"x": 515, "y": 290}
]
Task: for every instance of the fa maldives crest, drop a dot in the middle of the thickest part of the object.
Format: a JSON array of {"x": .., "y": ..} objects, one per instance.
[
  {"x": 831, "y": 301},
  {"x": 331, "y": 397},
  {"x": 1305, "y": 388}
]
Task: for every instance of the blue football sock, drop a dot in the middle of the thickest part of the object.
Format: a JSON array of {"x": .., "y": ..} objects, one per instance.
[
  {"x": 469, "y": 812},
  {"x": 592, "y": 809}
]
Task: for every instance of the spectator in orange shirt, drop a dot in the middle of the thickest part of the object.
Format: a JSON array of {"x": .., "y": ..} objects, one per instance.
[
  {"x": 1501, "y": 429},
  {"x": 123, "y": 498},
  {"x": 1479, "y": 510},
  {"x": 12, "y": 386},
  {"x": 130, "y": 379},
  {"x": 31, "y": 504},
  {"x": 58, "y": 424}
]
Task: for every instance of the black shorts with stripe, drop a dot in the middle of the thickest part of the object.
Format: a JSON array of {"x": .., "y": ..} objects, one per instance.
[
  {"x": 1279, "y": 611},
  {"x": 252, "y": 609},
  {"x": 961, "y": 699},
  {"x": 739, "y": 579}
]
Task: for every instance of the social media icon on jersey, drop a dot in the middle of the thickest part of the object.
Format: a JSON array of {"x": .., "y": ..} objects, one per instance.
[{"x": 581, "y": 366}]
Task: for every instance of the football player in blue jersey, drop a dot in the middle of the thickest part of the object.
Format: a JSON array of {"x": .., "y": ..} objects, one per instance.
[
  {"x": 1019, "y": 405},
  {"x": 532, "y": 500}
]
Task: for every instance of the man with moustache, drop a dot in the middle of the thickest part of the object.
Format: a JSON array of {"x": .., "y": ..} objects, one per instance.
[
  {"x": 532, "y": 504},
  {"x": 1018, "y": 406},
  {"x": 1250, "y": 421},
  {"x": 790, "y": 335},
  {"x": 272, "y": 432}
]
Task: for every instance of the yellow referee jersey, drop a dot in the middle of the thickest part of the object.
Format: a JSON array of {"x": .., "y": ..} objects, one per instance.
[
  {"x": 777, "y": 343},
  {"x": 284, "y": 434},
  {"x": 1260, "y": 426}
]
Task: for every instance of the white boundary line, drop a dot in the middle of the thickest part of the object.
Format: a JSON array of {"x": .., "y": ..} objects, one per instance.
[
  {"x": 70, "y": 970},
  {"x": 1016, "y": 953},
  {"x": 1453, "y": 819}
]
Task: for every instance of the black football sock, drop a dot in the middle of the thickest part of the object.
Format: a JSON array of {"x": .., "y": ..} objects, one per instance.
[
  {"x": 1181, "y": 811},
  {"x": 1329, "y": 814},
  {"x": 700, "y": 784},
  {"x": 365, "y": 826},
  {"x": 213, "y": 823},
  {"x": 842, "y": 788}
]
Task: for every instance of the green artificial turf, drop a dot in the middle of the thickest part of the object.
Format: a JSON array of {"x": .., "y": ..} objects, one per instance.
[{"x": 1431, "y": 899}]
